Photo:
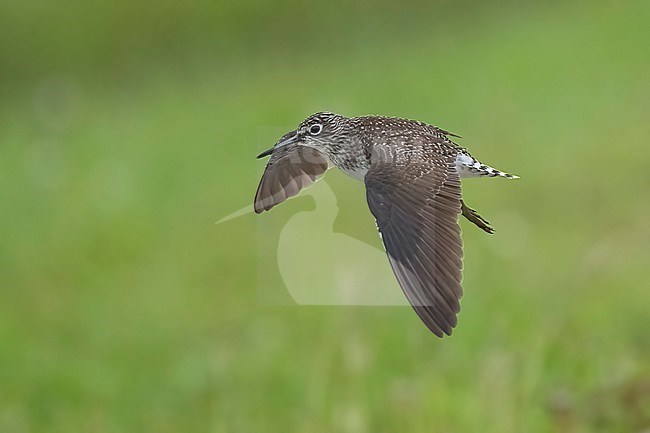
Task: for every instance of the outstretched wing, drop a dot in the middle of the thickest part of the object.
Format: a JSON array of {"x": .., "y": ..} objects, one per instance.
[
  {"x": 289, "y": 170},
  {"x": 416, "y": 206}
]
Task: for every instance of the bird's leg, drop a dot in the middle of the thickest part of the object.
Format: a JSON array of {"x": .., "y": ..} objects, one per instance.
[{"x": 477, "y": 219}]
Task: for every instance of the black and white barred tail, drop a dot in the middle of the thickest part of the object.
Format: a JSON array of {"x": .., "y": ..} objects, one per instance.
[{"x": 468, "y": 166}]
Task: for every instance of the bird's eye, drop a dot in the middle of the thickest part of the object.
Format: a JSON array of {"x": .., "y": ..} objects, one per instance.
[{"x": 315, "y": 129}]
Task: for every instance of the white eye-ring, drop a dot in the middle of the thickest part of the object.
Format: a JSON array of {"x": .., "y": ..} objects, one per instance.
[{"x": 315, "y": 129}]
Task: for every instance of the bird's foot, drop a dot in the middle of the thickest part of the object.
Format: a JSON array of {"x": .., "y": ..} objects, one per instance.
[{"x": 477, "y": 219}]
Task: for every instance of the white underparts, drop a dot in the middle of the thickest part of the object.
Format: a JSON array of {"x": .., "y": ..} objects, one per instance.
[{"x": 357, "y": 173}]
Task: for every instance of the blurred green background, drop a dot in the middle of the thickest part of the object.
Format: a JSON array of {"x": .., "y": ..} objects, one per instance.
[{"x": 128, "y": 128}]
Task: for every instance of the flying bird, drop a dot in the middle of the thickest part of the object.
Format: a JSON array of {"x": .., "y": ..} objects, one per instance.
[{"x": 412, "y": 172}]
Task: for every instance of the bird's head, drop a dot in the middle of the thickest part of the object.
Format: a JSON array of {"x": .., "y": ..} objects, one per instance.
[{"x": 322, "y": 131}]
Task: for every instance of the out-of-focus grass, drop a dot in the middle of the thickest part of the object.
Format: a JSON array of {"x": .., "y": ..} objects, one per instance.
[{"x": 124, "y": 308}]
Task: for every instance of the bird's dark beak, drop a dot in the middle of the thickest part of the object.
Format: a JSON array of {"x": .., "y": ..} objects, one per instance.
[
  {"x": 288, "y": 138},
  {"x": 267, "y": 152}
]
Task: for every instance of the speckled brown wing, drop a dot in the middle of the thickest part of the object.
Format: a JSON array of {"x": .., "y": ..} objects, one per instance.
[
  {"x": 417, "y": 206},
  {"x": 289, "y": 170}
]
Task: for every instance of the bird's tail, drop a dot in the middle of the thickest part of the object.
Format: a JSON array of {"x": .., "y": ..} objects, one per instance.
[
  {"x": 493, "y": 172},
  {"x": 470, "y": 167}
]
